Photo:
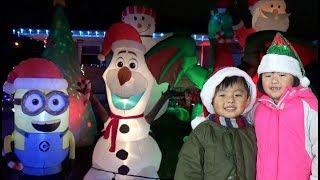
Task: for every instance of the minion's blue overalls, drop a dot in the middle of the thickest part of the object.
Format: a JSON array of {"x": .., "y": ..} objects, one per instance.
[{"x": 43, "y": 152}]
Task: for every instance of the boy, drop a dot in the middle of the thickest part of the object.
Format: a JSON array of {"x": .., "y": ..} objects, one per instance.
[{"x": 224, "y": 146}]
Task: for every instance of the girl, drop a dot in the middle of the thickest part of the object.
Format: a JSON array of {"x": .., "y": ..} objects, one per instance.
[{"x": 285, "y": 117}]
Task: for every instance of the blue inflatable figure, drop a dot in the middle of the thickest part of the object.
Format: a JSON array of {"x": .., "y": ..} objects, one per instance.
[{"x": 41, "y": 136}]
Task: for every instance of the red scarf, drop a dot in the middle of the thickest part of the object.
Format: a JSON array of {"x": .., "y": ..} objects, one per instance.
[{"x": 112, "y": 129}]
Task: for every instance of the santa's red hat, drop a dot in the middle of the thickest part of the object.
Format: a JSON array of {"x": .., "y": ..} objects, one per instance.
[
  {"x": 35, "y": 73},
  {"x": 120, "y": 35},
  {"x": 251, "y": 2}
]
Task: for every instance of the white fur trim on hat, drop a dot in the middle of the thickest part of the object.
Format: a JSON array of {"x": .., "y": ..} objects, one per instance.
[
  {"x": 209, "y": 87},
  {"x": 101, "y": 57},
  {"x": 196, "y": 121},
  {"x": 8, "y": 88},
  {"x": 40, "y": 83},
  {"x": 284, "y": 64},
  {"x": 128, "y": 44},
  {"x": 238, "y": 26},
  {"x": 304, "y": 82}
]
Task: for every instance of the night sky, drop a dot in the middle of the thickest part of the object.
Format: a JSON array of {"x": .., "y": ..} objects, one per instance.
[{"x": 172, "y": 15}]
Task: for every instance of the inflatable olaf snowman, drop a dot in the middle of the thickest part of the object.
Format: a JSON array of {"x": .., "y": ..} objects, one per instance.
[{"x": 126, "y": 151}]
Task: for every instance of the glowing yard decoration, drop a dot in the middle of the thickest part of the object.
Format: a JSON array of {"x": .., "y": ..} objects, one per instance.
[
  {"x": 62, "y": 51},
  {"x": 270, "y": 15},
  {"x": 126, "y": 151},
  {"x": 143, "y": 19},
  {"x": 41, "y": 136}
]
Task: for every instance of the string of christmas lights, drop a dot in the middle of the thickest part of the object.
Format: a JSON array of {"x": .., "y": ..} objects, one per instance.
[{"x": 30, "y": 32}]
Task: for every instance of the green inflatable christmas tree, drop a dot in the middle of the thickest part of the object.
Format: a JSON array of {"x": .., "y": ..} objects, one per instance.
[{"x": 61, "y": 50}]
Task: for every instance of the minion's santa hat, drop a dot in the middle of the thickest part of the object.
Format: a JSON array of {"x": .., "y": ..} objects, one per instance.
[
  {"x": 120, "y": 35},
  {"x": 281, "y": 57},
  {"x": 139, "y": 7},
  {"x": 35, "y": 73}
]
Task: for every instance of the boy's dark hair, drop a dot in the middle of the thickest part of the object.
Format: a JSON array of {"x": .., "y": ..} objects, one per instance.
[
  {"x": 296, "y": 82},
  {"x": 230, "y": 81}
]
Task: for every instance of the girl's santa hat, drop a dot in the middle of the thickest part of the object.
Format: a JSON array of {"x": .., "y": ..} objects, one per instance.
[
  {"x": 120, "y": 35},
  {"x": 281, "y": 57},
  {"x": 35, "y": 73}
]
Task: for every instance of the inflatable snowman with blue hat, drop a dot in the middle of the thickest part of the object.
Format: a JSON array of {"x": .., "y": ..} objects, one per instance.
[
  {"x": 41, "y": 136},
  {"x": 126, "y": 151}
]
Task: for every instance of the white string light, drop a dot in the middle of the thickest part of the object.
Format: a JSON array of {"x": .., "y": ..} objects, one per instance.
[{"x": 90, "y": 34}]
